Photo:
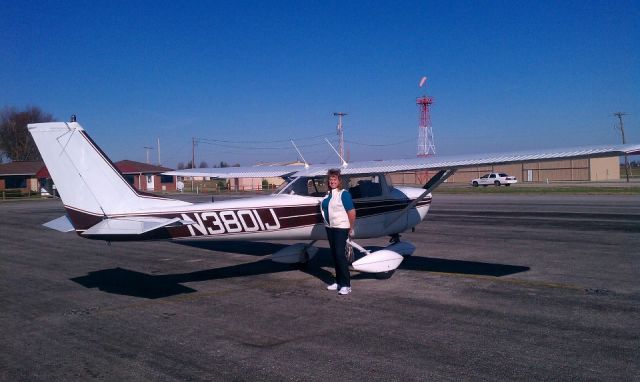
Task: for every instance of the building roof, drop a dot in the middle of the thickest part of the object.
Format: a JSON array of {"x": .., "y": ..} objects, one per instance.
[
  {"x": 20, "y": 168},
  {"x": 39, "y": 170},
  {"x": 132, "y": 167},
  {"x": 289, "y": 163}
]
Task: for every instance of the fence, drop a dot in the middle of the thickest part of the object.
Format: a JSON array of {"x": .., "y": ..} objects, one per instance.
[{"x": 20, "y": 193}]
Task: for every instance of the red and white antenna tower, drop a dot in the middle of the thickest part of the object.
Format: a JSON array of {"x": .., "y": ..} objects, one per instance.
[{"x": 426, "y": 144}]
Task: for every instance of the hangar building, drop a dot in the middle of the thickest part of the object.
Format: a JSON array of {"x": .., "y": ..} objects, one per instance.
[{"x": 590, "y": 169}]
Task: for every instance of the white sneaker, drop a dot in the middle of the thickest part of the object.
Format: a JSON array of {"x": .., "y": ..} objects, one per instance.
[
  {"x": 344, "y": 290},
  {"x": 333, "y": 286}
]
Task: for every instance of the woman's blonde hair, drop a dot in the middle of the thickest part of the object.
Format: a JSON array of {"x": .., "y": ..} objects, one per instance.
[{"x": 334, "y": 172}]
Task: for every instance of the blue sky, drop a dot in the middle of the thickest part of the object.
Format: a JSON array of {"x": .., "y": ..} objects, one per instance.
[{"x": 505, "y": 75}]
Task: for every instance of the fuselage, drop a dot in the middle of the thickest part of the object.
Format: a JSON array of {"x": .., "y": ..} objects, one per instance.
[{"x": 273, "y": 217}]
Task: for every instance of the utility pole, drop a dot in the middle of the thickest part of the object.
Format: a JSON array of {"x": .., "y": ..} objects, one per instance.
[
  {"x": 159, "y": 163},
  {"x": 193, "y": 152},
  {"x": 147, "y": 148},
  {"x": 193, "y": 159},
  {"x": 621, "y": 114},
  {"x": 340, "y": 132}
]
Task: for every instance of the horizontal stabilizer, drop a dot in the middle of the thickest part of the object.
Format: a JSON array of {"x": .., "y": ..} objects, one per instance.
[
  {"x": 132, "y": 225},
  {"x": 62, "y": 224}
]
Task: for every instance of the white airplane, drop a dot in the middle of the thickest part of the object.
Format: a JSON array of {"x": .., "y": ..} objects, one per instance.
[{"x": 100, "y": 203}]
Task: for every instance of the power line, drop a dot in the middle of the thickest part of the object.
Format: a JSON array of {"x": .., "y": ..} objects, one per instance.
[
  {"x": 247, "y": 148},
  {"x": 381, "y": 144},
  {"x": 274, "y": 141}
]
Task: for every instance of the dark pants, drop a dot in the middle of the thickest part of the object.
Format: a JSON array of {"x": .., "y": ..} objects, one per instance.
[{"x": 338, "y": 242}]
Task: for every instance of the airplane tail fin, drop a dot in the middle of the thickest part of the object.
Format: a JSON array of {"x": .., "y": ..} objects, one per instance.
[{"x": 87, "y": 181}]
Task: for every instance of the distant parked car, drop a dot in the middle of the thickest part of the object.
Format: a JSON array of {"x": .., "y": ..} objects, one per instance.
[{"x": 495, "y": 178}]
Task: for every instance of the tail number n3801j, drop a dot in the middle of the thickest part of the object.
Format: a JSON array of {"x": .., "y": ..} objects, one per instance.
[{"x": 231, "y": 221}]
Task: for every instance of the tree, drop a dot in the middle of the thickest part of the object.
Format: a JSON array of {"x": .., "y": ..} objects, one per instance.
[
  {"x": 180, "y": 166},
  {"x": 203, "y": 164},
  {"x": 15, "y": 141}
]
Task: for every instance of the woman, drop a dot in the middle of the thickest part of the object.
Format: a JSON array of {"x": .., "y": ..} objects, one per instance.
[{"x": 339, "y": 219}]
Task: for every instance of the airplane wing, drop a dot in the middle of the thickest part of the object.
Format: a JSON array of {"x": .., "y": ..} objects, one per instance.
[
  {"x": 426, "y": 163},
  {"x": 456, "y": 162},
  {"x": 238, "y": 172}
]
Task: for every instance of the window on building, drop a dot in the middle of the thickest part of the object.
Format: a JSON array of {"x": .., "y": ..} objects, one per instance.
[{"x": 15, "y": 182}]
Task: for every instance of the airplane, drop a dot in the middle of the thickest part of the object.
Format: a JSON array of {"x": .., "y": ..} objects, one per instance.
[{"x": 100, "y": 204}]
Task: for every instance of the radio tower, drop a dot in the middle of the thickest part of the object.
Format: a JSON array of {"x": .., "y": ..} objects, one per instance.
[{"x": 426, "y": 144}]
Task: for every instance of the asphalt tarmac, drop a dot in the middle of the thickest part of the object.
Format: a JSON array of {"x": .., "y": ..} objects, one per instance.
[{"x": 501, "y": 288}]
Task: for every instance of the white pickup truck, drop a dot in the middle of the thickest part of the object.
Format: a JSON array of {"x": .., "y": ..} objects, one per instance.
[{"x": 495, "y": 178}]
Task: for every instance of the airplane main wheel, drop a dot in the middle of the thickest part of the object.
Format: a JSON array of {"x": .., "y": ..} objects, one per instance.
[
  {"x": 508, "y": 184},
  {"x": 497, "y": 183},
  {"x": 475, "y": 184}
]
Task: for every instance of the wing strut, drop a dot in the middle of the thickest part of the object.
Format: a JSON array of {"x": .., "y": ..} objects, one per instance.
[{"x": 431, "y": 185}]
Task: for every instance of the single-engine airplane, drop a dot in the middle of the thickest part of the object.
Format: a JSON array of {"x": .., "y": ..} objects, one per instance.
[{"x": 100, "y": 204}]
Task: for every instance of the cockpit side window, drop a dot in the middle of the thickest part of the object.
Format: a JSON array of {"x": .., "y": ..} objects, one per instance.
[
  {"x": 304, "y": 186},
  {"x": 300, "y": 186},
  {"x": 318, "y": 186},
  {"x": 367, "y": 186}
]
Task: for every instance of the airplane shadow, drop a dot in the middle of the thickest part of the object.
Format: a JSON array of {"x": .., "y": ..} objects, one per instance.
[
  {"x": 253, "y": 248},
  {"x": 434, "y": 264},
  {"x": 137, "y": 284}
]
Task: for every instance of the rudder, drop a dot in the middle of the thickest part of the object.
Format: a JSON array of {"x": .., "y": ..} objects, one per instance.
[{"x": 84, "y": 176}]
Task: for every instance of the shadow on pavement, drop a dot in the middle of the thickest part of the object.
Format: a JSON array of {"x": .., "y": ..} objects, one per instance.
[{"x": 132, "y": 283}]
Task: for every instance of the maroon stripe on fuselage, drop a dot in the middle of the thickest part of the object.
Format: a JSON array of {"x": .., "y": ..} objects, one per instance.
[
  {"x": 82, "y": 220},
  {"x": 236, "y": 221}
]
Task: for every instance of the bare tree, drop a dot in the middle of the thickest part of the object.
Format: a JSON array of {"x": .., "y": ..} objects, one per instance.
[
  {"x": 204, "y": 164},
  {"x": 180, "y": 166},
  {"x": 15, "y": 140}
]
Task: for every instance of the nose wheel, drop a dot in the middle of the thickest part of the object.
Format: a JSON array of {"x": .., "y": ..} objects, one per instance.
[{"x": 395, "y": 238}]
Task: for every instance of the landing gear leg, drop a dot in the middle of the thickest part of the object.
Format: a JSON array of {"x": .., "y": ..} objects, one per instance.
[
  {"x": 395, "y": 238},
  {"x": 305, "y": 257}
]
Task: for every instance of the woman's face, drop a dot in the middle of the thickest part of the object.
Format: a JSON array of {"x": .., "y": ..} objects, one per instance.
[{"x": 333, "y": 181}]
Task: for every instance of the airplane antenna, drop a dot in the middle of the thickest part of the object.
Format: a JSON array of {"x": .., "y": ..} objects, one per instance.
[
  {"x": 306, "y": 165},
  {"x": 344, "y": 163}
]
